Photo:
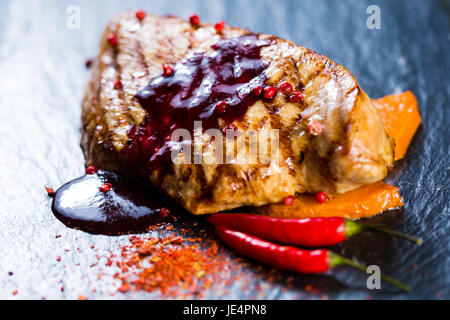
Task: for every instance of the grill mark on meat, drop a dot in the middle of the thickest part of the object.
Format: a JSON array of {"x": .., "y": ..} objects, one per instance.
[
  {"x": 300, "y": 85},
  {"x": 284, "y": 139},
  {"x": 141, "y": 58},
  {"x": 314, "y": 75}
]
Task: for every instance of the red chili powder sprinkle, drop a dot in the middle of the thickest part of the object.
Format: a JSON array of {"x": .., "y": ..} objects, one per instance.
[
  {"x": 168, "y": 265},
  {"x": 183, "y": 265}
]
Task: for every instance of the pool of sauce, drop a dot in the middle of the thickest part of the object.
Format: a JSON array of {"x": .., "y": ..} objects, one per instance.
[{"x": 128, "y": 206}]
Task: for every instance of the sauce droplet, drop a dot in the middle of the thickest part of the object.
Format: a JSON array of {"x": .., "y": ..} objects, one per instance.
[{"x": 128, "y": 206}]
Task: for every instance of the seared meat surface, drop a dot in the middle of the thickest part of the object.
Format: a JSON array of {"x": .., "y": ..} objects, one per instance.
[{"x": 352, "y": 150}]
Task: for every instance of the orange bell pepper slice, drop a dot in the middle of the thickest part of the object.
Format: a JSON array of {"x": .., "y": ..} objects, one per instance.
[
  {"x": 401, "y": 118},
  {"x": 363, "y": 202}
]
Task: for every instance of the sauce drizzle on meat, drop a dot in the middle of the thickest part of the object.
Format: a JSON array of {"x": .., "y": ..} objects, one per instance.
[{"x": 214, "y": 87}]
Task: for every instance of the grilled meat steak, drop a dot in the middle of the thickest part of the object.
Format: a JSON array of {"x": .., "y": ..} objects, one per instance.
[{"x": 126, "y": 124}]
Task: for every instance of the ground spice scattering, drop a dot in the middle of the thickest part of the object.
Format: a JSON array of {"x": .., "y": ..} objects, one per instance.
[{"x": 173, "y": 265}]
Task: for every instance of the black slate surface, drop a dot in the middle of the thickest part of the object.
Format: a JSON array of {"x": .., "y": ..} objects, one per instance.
[{"x": 42, "y": 82}]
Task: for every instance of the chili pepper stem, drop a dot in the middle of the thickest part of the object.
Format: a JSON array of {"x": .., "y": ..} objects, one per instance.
[
  {"x": 352, "y": 228},
  {"x": 338, "y": 260}
]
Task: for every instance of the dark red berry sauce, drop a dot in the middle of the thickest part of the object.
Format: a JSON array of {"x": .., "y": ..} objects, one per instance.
[
  {"x": 128, "y": 205},
  {"x": 203, "y": 86}
]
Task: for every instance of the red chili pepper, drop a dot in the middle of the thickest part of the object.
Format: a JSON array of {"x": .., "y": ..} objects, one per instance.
[
  {"x": 290, "y": 258},
  {"x": 311, "y": 232}
]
